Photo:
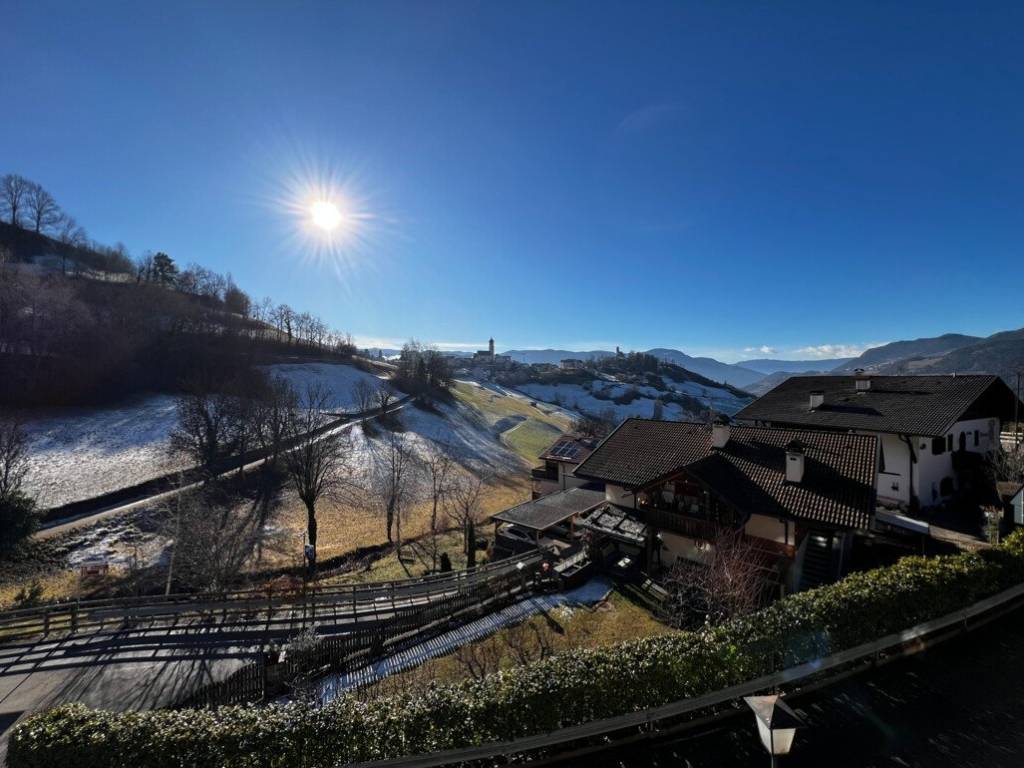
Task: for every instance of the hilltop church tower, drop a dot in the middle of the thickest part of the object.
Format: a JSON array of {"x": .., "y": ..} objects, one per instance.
[{"x": 490, "y": 347}]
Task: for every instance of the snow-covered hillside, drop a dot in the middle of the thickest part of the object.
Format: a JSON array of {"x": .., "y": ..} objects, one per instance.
[
  {"x": 84, "y": 452},
  {"x": 605, "y": 394},
  {"x": 338, "y": 379}
]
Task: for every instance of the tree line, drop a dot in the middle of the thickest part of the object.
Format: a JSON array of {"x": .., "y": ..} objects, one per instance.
[{"x": 157, "y": 326}]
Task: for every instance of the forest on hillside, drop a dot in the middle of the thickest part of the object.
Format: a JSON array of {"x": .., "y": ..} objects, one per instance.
[{"x": 82, "y": 323}]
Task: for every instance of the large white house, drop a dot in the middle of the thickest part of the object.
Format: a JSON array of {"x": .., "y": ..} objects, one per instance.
[{"x": 923, "y": 424}]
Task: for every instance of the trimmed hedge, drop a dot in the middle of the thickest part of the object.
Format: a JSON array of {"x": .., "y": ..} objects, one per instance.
[{"x": 567, "y": 689}]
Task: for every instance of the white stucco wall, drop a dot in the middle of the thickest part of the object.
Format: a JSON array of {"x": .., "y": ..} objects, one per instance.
[
  {"x": 771, "y": 529},
  {"x": 894, "y": 484},
  {"x": 674, "y": 546}
]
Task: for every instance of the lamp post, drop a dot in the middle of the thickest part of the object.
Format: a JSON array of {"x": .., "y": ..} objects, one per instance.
[{"x": 776, "y": 723}]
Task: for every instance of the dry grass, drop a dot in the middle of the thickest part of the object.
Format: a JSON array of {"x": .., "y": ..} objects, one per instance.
[
  {"x": 612, "y": 621},
  {"x": 531, "y": 428},
  {"x": 345, "y": 528}
]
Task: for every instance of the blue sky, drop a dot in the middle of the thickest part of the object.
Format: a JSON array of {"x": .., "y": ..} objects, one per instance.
[{"x": 716, "y": 177}]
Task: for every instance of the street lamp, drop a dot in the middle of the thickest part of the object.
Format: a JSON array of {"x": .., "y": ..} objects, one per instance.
[{"x": 776, "y": 723}]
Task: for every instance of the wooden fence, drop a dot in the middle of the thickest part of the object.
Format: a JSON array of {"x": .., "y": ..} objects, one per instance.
[
  {"x": 246, "y": 616},
  {"x": 266, "y": 677}
]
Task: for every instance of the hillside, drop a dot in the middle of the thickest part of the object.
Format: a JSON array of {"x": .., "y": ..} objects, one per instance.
[
  {"x": 614, "y": 389},
  {"x": 769, "y": 367},
  {"x": 896, "y": 353},
  {"x": 531, "y": 356},
  {"x": 77, "y": 453},
  {"x": 725, "y": 373}
]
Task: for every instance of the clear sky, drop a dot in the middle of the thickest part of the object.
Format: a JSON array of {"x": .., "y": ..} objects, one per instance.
[{"x": 715, "y": 176}]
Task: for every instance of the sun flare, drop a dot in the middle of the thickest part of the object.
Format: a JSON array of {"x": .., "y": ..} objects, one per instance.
[{"x": 325, "y": 215}]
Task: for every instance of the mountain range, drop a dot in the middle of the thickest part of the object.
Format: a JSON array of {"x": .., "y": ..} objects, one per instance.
[
  {"x": 743, "y": 374},
  {"x": 1001, "y": 353}
]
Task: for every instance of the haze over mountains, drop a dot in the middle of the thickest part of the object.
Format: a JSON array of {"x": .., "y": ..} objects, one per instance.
[
  {"x": 1001, "y": 353},
  {"x": 743, "y": 374}
]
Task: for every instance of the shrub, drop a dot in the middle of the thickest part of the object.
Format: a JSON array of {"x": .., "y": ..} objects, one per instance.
[{"x": 562, "y": 690}]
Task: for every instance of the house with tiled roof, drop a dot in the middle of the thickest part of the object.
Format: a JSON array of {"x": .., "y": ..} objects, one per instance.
[
  {"x": 802, "y": 495},
  {"x": 930, "y": 429}
]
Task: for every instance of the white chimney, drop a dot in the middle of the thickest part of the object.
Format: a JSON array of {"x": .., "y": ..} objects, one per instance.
[
  {"x": 862, "y": 383},
  {"x": 817, "y": 398},
  {"x": 795, "y": 462},
  {"x": 719, "y": 433}
]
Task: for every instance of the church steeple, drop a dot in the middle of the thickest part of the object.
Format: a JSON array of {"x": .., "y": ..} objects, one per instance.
[{"x": 490, "y": 347}]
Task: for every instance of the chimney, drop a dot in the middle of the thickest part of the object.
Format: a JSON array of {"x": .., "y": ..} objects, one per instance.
[
  {"x": 794, "y": 462},
  {"x": 720, "y": 432},
  {"x": 861, "y": 381},
  {"x": 817, "y": 398}
]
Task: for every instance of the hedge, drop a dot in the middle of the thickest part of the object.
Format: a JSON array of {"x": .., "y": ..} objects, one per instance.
[{"x": 567, "y": 689}]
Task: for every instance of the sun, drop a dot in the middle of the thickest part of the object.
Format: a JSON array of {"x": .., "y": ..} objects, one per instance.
[{"x": 325, "y": 215}]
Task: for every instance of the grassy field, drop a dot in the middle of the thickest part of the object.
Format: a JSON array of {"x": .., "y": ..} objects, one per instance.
[
  {"x": 611, "y": 621},
  {"x": 525, "y": 428}
]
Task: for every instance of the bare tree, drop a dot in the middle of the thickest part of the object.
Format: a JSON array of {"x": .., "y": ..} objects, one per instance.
[
  {"x": 438, "y": 465},
  {"x": 1008, "y": 464},
  {"x": 14, "y": 190},
  {"x": 206, "y": 428},
  {"x": 273, "y": 415},
  {"x": 384, "y": 397},
  {"x": 318, "y": 464},
  {"x": 363, "y": 395},
  {"x": 730, "y": 581},
  {"x": 17, "y": 511},
  {"x": 392, "y": 482},
  {"x": 479, "y": 659},
  {"x": 13, "y": 457},
  {"x": 43, "y": 211},
  {"x": 464, "y": 504},
  {"x": 212, "y": 536}
]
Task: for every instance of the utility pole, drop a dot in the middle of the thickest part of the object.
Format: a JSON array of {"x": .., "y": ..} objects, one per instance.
[{"x": 1016, "y": 414}]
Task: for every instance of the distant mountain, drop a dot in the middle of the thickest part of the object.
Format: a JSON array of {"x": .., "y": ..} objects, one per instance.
[
  {"x": 1001, "y": 353},
  {"x": 886, "y": 356},
  {"x": 773, "y": 380},
  {"x": 530, "y": 356},
  {"x": 768, "y": 366},
  {"x": 737, "y": 375}
]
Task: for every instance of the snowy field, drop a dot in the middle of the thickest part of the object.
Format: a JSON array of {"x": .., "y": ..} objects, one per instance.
[
  {"x": 77, "y": 453},
  {"x": 83, "y": 452},
  {"x": 338, "y": 379}
]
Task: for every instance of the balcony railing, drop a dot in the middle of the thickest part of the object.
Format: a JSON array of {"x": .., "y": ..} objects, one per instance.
[{"x": 691, "y": 526}]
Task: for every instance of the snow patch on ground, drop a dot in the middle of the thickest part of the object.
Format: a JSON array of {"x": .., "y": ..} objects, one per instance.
[
  {"x": 336, "y": 378},
  {"x": 83, "y": 452},
  {"x": 594, "y": 591}
]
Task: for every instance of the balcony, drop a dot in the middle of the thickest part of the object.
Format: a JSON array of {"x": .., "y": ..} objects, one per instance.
[
  {"x": 544, "y": 473},
  {"x": 690, "y": 525}
]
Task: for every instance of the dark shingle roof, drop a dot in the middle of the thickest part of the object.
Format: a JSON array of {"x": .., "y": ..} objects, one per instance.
[
  {"x": 750, "y": 471},
  {"x": 639, "y": 451},
  {"x": 915, "y": 405},
  {"x": 542, "y": 513}
]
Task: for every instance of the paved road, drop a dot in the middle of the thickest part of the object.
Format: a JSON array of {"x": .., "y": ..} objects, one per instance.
[{"x": 959, "y": 704}]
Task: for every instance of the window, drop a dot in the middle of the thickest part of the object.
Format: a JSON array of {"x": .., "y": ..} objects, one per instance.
[
  {"x": 949, "y": 442},
  {"x": 976, "y": 435},
  {"x": 938, "y": 446}
]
